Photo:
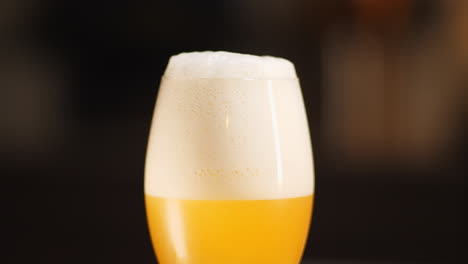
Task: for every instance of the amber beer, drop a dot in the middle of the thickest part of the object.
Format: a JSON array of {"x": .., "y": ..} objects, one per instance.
[{"x": 229, "y": 174}]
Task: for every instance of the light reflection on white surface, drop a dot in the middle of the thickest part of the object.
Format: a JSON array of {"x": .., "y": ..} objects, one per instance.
[{"x": 274, "y": 119}]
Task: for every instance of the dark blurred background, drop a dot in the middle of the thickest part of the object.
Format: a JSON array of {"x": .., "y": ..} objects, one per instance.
[{"x": 384, "y": 83}]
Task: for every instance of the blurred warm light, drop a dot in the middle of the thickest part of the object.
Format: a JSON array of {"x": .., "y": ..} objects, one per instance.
[
  {"x": 394, "y": 100},
  {"x": 382, "y": 12}
]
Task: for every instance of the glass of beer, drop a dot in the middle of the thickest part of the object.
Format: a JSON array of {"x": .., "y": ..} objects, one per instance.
[{"x": 229, "y": 175}]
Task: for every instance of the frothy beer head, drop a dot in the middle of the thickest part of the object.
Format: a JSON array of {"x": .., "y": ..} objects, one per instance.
[
  {"x": 223, "y": 64},
  {"x": 229, "y": 126}
]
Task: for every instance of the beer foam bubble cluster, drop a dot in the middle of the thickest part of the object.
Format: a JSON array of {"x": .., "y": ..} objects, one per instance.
[
  {"x": 221, "y": 64},
  {"x": 229, "y": 126}
]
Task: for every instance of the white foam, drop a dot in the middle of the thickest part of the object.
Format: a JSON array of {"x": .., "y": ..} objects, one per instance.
[
  {"x": 229, "y": 139},
  {"x": 222, "y": 64}
]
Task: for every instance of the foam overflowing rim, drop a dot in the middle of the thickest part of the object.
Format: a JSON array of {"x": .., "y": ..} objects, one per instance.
[{"x": 228, "y": 65}]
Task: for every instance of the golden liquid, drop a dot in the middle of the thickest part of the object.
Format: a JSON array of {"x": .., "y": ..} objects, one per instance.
[{"x": 229, "y": 232}]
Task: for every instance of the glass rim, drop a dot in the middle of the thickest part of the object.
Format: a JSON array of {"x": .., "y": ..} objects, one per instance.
[{"x": 165, "y": 77}]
